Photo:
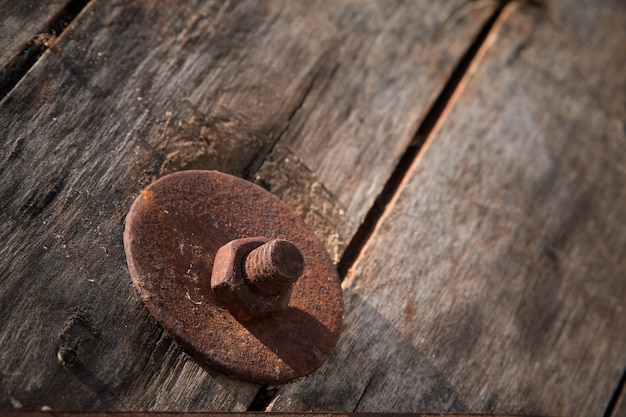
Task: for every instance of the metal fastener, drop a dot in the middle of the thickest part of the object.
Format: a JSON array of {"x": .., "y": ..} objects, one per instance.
[
  {"x": 234, "y": 276},
  {"x": 253, "y": 277}
]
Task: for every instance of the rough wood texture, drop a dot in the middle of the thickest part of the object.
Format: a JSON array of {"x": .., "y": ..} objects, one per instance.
[
  {"x": 620, "y": 403},
  {"x": 136, "y": 90},
  {"x": 21, "y": 21},
  {"x": 360, "y": 114},
  {"x": 620, "y": 410},
  {"x": 495, "y": 282}
]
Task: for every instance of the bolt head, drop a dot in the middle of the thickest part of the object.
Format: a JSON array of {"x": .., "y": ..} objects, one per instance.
[{"x": 231, "y": 289}]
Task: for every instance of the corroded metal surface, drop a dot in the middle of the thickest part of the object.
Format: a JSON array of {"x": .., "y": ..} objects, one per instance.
[
  {"x": 273, "y": 267},
  {"x": 233, "y": 287},
  {"x": 173, "y": 231}
]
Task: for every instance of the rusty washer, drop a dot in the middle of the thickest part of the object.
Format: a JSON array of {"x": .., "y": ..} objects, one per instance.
[{"x": 234, "y": 276}]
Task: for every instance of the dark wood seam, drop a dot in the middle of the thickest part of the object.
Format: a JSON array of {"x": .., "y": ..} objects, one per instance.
[
  {"x": 433, "y": 116},
  {"x": 37, "y": 45}
]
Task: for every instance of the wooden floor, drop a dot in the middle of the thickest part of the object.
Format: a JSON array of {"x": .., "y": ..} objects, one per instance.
[{"x": 463, "y": 163}]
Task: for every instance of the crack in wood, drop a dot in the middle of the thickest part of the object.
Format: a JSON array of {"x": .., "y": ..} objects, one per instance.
[
  {"x": 393, "y": 186},
  {"x": 255, "y": 165},
  {"x": 37, "y": 45},
  {"x": 430, "y": 123},
  {"x": 356, "y": 407},
  {"x": 620, "y": 391}
]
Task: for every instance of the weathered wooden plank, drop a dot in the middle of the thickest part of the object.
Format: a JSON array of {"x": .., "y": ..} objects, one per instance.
[
  {"x": 360, "y": 115},
  {"x": 80, "y": 142},
  {"x": 137, "y": 90},
  {"x": 495, "y": 281},
  {"x": 22, "y": 22},
  {"x": 620, "y": 404}
]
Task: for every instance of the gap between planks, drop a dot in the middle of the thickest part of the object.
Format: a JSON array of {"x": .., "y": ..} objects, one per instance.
[
  {"x": 613, "y": 407},
  {"x": 37, "y": 45},
  {"x": 423, "y": 137},
  {"x": 409, "y": 160}
]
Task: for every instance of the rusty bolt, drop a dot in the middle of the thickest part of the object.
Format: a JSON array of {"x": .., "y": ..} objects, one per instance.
[
  {"x": 171, "y": 247},
  {"x": 253, "y": 277},
  {"x": 273, "y": 266}
]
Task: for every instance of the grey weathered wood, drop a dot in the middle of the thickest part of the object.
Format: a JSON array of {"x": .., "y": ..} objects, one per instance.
[
  {"x": 21, "y": 22},
  {"x": 133, "y": 91},
  {"x": 360, "y": 115},
  {"x": 495, "y": 282}
]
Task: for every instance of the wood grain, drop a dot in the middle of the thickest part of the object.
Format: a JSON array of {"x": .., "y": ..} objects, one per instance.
[
  {"x": 495, "y": 281},
  {"x": 364, "y": 108},
  {"x": 27, "y": 30},
  {"x": 618, "y": 407},
  {"x": 21, "y": 21},
  {"x": 133, "y": 91}
]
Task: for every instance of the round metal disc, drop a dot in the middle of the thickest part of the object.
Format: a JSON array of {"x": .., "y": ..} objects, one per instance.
[{"x": 173, "y": 230}]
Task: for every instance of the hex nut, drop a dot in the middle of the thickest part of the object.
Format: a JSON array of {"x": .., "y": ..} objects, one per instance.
[{"x": 230, "y": 286}]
